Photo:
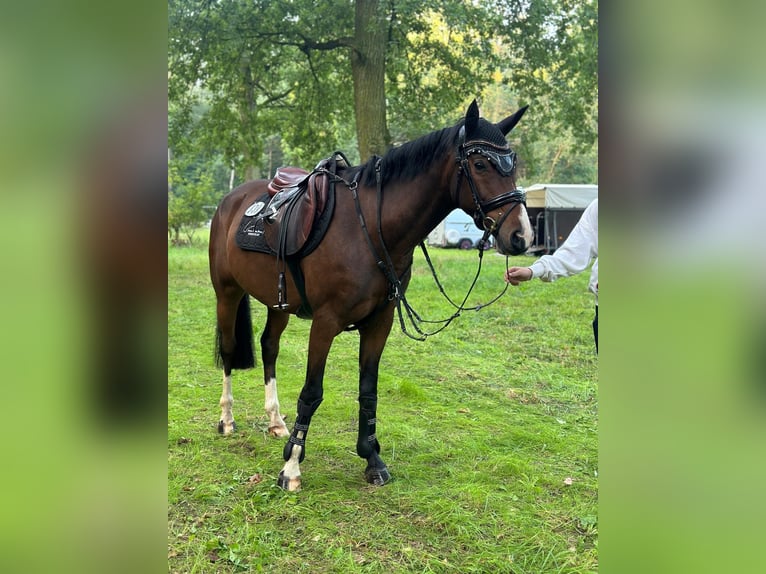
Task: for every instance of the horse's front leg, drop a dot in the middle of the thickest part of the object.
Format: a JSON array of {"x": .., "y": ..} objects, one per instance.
[
  {"x": 310, "y": 398},
  {"x": 373, "y": 335},
  {"x": 275, "y": 326}
]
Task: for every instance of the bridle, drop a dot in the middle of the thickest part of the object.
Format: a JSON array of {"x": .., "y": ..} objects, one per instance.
[{"x": 504, "y": 161}]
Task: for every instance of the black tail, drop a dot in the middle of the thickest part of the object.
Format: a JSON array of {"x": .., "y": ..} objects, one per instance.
[{"x": 243, "y": 356}]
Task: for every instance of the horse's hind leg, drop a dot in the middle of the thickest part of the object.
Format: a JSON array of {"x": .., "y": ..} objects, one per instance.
[
  {"x": 320, "y": 341},
  {"x": 275, "y": 325},
  {"x": 235, "y": 347}
]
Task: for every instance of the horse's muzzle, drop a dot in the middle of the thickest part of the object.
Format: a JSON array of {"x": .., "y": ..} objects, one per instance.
[
  {"x": 515, "y": 243},
  {"x": 519, "y": 242}
]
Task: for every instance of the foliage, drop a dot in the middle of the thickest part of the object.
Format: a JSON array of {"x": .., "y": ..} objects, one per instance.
[
  {"x": 481, "y": 427},
  {"x": 543, "y": 157},
  {"x": 269, "y": 67},
  {"x": 264, "y": 65},
  {"x": 440, "y": 57},
  {"x": 553, "y": 49},
  {"x": 192, "y": 197}
]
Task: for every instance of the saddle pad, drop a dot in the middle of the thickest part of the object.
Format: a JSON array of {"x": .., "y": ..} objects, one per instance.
[{"x": 250, "y": 233}]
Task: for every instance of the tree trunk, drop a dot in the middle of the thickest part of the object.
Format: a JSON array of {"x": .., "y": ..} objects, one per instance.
[
  {"x": 252, "y": 172},
  {"x": 251, "y": 147},
  {"x": 368, "y": 68},
  {"x": 555, "y": 160}
]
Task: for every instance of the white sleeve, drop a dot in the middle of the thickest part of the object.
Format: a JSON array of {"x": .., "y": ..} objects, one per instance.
[{"x": 576, "y": 253}]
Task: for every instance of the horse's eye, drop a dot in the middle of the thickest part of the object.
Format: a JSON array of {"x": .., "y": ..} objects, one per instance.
[{"x": 480, "y": 165}]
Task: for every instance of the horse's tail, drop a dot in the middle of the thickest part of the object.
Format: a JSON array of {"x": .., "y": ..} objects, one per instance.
[{"x": 243, "y": 356}]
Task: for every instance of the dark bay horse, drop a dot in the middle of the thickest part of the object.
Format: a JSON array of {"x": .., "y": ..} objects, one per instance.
[{"x": 386, "y": 206}]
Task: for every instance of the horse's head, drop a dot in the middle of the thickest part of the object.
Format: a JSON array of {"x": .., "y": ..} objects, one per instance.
[{"x": 488, "y": 164}]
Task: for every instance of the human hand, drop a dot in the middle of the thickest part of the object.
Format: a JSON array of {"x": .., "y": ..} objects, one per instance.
[{"x": 516, "y": 275}]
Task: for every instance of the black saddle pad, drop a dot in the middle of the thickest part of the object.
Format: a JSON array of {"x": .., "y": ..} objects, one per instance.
[{"x": 250, "y": 234}]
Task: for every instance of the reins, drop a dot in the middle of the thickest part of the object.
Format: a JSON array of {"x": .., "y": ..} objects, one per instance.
[
  {"x": 462, "y": 306},
  {"x": 415, "y": 319}
]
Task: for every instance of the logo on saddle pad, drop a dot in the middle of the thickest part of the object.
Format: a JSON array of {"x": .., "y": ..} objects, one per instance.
[{"x": 255, "y": 209}]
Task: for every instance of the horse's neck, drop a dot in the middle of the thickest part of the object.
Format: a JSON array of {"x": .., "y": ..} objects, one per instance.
[{"x": 413, "y": 209}]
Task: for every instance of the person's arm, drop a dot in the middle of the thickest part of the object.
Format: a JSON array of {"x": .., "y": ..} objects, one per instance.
[
  {"x": 573, "y": 257},
  {"x": 576, "y": 253}
]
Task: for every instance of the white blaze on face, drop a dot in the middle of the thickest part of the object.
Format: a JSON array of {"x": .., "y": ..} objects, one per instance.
[{"x": 526, "y": 227}]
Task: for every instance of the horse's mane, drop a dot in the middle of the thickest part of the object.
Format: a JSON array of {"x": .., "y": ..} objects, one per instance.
[{"x": 412, "y": 158}]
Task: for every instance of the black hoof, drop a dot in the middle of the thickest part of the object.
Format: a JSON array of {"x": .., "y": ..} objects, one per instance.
[
  {"x": 377, "y": 476},
  {"x": 220, "y": 427}
]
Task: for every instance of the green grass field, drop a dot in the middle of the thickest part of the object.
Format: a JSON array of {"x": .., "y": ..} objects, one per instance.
[{"x": 489, "y": 430}]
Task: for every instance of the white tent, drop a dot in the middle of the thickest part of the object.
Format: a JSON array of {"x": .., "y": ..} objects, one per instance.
[{"x": 561, "y": 195}]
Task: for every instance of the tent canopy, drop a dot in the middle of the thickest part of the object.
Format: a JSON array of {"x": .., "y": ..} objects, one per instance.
[{"x": 560, "y": 195}]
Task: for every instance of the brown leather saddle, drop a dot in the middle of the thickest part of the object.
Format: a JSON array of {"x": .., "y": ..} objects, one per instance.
[
  {"x": 294, "y": 221},
  {"x": 298, "y": 199}
]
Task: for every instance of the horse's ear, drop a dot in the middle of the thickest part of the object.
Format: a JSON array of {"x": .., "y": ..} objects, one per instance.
[
  {"x": 510, "y": 122},
  {"x": 471, "y": 118}
]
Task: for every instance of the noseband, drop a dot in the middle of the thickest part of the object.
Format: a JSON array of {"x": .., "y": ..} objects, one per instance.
[{"x": 504, "y": 161}]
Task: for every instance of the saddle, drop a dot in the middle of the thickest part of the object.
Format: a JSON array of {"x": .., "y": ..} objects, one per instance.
[
  {"x": 298, "y": 199},
  {"x": 291, "y": 220}
]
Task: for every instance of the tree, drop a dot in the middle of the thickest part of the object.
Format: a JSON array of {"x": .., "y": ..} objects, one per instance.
[
  {"x": 368, "y": 69},
  {"x": 273, "y": 67},
  {"x": 194, "y": 188}
]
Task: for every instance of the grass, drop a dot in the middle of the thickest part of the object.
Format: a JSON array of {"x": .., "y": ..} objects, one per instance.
[{"x": 480, "y": 426}]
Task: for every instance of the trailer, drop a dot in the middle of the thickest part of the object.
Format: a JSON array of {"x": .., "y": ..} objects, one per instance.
[
  {"x": 554, "y": 209},
  {"x": 456, "y": 230}
]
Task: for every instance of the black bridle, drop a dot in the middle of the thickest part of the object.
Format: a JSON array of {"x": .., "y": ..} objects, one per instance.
[{"x": 503, "y": 158}]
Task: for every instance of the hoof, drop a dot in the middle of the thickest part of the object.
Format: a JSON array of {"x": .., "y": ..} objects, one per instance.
[
  {"x": 377, "y": 476},
  {"x": 225, "y": 429},
  {"x": 289, "y": 484},
  {"x": 279, "y": 431}
]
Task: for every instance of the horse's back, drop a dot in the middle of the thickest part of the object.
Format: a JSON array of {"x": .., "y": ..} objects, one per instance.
[
  {"x": 224, "y": 224},
  {"x": 234, "y": 203}
]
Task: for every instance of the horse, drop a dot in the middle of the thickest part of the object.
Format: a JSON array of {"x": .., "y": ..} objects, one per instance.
[{"x": 384, "y": 206}]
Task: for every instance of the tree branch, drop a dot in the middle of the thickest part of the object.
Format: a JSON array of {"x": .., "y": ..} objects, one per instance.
[{"x": 309, "y": 44}]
